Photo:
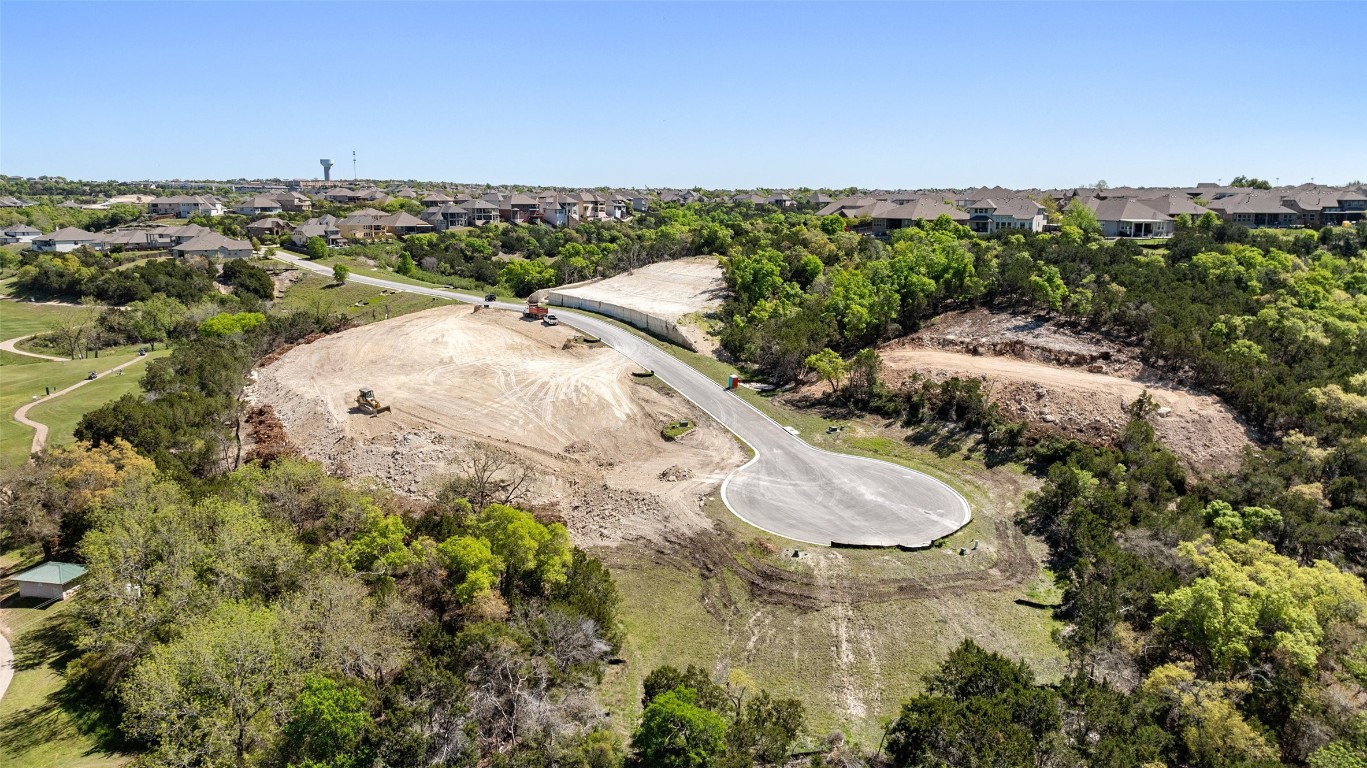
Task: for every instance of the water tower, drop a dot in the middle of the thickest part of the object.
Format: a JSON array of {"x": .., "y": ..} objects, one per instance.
[{"x": 327, "y": 169}]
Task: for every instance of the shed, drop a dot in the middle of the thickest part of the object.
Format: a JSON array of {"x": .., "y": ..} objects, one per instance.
[{"x": 50, "y": 581}]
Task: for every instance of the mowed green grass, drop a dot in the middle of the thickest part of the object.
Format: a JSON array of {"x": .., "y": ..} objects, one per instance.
[
  {"x": 24, "y": 318},
  {"x": 364, "y": 303},
  {"x": 23, "y": 381},
  {"x": 42, "y": 723}
]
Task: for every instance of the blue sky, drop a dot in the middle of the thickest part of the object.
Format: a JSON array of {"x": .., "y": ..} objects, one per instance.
[{"x": 682, "y": 94}]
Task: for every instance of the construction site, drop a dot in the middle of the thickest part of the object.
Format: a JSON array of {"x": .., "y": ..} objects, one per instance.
[{"x": 407, "y": 401}]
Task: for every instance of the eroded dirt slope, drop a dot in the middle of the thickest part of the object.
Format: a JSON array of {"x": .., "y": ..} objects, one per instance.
[{"x": 1078, "y": 384}]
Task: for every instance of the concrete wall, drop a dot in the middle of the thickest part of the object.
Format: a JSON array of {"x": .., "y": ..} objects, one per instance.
[{"x": 665, "y": 329}]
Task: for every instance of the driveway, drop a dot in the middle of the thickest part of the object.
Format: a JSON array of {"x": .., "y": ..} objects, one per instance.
[{"x": 789, "y": 488}]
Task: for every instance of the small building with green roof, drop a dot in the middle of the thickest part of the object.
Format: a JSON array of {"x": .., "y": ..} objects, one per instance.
[{"x": 50, "y": 581}]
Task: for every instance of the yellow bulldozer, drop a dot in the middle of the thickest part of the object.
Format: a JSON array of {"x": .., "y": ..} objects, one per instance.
[{"x": 367, "y": 402}]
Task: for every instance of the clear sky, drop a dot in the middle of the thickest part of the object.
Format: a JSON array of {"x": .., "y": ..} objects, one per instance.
[{"x": 682, "y": 94}]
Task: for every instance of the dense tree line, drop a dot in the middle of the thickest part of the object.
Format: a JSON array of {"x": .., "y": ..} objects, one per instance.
[
  {"x": 284, "y": 617},
  {"x": 84, "y": 272}
]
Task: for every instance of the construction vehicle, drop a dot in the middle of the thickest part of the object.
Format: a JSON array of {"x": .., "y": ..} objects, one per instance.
[
  {"x": 535, "y": 311},
  {"x": 367, "y": 402}
]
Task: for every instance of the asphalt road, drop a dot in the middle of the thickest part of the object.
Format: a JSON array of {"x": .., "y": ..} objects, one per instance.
[{"x": 789, "y": 488}]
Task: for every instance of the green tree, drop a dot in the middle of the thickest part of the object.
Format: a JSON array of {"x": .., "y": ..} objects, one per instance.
[
  {"x": 326, "y": 724},
  {"x": 214, "y": 695},
  {"x": 340, "y": 272},
  {"x": 316, "y": 247},
  {"x": 677, "y": 733},
  {"x": 532, "y": 553},
  {"x": 472, "y": 565},
  {"x": 1252, "y": 605},
  {"x": 1080, "y": 216},
  {"x": 155, "y": 318},
  {"x": 829, "y": 366}
]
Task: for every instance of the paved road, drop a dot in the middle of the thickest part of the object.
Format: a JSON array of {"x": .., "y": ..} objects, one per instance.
[
  {"x": 39, "y": 428},
  {"x": 789, "y": 488},
  {"x": 8, "y": 346},
  {"x": 6, "y": 665}
]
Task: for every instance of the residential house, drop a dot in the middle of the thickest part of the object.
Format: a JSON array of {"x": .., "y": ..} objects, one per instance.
[
  {"x": 401, "y": 223},
  {"x": 520, "y": 209},
  {"x": 185, "y": 206},
  {"x": 435, "y": 200},
  {"x": 1254, "y": 210},
  {"x": 65, "y": 240},
  {"x": 214, "y": 245},
  {"x": 819, "y": 199},
  {"x": 294, "y": 201},
  {"x": 364, "y": 224},
  {"x": 846, "y": 206},
  {"x": 267, "y": 227},
  {"x": 128, "y": 240},
  {"x": 1124, "y": 217},
  {"x": 259, "y": 205},
  {"x": 617, "y": 207},
  {"x": 559, "y": 210},
  {"x": 318, "y": 228},
  {"x": 889, "y": 217},
  {"x": 166, "y": 237},
  {"x": 481, "y": 212},
  {"x": 50, "y": 581},
  {"x": 341, "y": 195},
  {"x": 590, "y": 205},
  {"x": 1016, "y": 213},
  {"x": 1326, "y": 207},
  {"x": 1175, "y": 205},
  {"x": 19, "y": 233},
  {"x": 781, "y": 200},
  {"x": 12, "y": 202}
]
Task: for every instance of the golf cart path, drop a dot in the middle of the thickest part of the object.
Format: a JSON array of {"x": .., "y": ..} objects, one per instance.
[
  {"x": 8, "y": 346},
  {"x": 6, "y": 665},
  {"x": 790, "y": 488},
  {"x": 39, "y": 428}
]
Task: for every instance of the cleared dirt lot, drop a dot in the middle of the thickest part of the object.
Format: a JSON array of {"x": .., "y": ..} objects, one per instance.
[
  {"x": 669, "y": 290},
  {"x": 457, "y": 378},
  {"x": 1077, "y": 384}
]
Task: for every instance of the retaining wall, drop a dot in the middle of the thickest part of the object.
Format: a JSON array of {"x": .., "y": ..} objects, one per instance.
[{"x": 659, "y": 326}]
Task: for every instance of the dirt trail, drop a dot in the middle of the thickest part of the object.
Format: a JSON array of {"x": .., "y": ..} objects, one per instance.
[
  {"x": 457, "y": 378},
  {"x": 1076, "y": 383}
]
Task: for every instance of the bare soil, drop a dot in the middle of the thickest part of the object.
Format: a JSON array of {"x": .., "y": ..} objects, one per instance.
[
  {"x": 1077, "y": 384},
  {"x": 669, "y": 289},
  {"x": 457, "y": 378}
]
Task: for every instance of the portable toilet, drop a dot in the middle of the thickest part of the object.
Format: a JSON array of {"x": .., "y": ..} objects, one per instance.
[{"x": 732, "y": 381}]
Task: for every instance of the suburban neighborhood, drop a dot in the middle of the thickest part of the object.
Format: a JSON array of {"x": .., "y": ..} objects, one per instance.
[{"x": 936, "y": 384}]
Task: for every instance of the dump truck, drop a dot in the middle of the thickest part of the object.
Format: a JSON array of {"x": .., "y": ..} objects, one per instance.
[
  {"x": 535, "y": 310},
  {"x": 367, "y": 402}
]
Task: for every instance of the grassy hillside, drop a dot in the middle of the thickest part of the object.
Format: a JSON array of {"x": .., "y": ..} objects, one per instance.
[{"x": 41, "y": 723}]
